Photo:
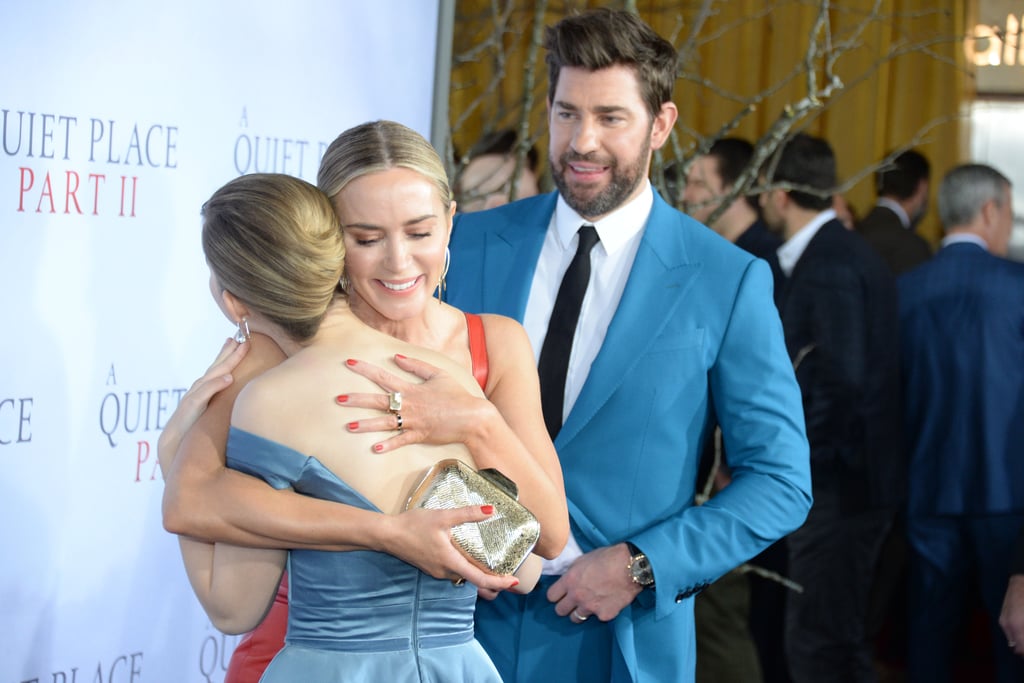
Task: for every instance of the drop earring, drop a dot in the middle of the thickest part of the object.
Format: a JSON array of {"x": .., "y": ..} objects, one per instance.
[
  {"x": 242, "y": 335},
  {"x": 442, "y": 284}
]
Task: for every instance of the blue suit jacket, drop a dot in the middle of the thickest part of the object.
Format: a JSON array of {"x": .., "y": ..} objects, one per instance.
[
  {"x": 962, "y": 327},
  {"x": 696, "y": 326}
]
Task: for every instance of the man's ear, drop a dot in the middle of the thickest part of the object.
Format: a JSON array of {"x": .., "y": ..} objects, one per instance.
[{"x": 662, "y": 124}]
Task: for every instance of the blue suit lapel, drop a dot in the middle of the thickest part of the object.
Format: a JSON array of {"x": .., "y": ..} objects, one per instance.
[
  {"x": 510, "y": 256},
  {"x": 658, "y": 281}
]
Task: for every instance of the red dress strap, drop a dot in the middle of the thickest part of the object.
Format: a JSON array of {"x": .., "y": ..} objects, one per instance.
[{"x": 477, "y": 348}]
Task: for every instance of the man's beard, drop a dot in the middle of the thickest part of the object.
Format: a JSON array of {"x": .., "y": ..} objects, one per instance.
[{"x": 622, "y": 183}]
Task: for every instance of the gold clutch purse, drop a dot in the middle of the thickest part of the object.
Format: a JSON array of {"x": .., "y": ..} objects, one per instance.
[{"x": 501, "y": 542}]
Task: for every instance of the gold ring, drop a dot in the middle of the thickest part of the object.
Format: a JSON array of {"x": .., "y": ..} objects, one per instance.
[
  {"x": 394, "y": 402},
  {"x": 458, "y": 582},
  {"x": 579, "y": 618}
]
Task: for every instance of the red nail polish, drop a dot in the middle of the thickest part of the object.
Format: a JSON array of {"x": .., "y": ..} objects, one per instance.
[
  {"x": 342, "y": 398},
  {"x": 398, "y": 355},
  {"x": 487, "y": 509},
  {"x": 377, "y": 448},
  {"x": 350, "y": 362},
  {"x": 353, "y": 425},
  {"x": 515, "y": 582}
]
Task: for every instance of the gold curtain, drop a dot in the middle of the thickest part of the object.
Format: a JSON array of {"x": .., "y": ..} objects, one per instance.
[{"x": 900, "y": 64}]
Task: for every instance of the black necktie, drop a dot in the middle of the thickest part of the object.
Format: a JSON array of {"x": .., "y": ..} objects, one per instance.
[{"x": 554, "y": 355}]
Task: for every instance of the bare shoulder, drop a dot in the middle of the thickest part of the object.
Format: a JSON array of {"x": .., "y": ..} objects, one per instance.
[
  {"x": 509, "y": 352},
  {"x": 500, "y": 330},
  {"x": 266, "y": 383},
  {"x": 263, "y": 354}
]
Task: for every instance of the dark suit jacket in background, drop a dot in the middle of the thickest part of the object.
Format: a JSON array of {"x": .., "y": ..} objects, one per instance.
[
  {"x": 839, "y": 308},
  {"x": 962, "y": 326},
  {"x": 901, "y": 248},
  {"x": 758, "y": 241}
]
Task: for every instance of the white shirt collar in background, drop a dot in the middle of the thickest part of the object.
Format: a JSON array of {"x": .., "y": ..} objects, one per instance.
[
  {"x": 896, "y": 208},
  {"x": 793, "y": 248},
  {"x": 964, "y": 237}
]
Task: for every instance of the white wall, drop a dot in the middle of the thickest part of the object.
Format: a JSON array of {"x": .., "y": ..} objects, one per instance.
[
  {"x": 118, "y": 119},
  {"x": 997, "y": 139}
]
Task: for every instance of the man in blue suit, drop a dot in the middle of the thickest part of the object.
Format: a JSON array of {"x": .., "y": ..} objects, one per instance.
[
  {"x": 675, "y": 321},
  {"x": 962, "y": 327}
]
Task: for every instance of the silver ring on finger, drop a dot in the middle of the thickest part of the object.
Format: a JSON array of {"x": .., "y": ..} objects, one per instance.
[
  {"x": 398, "y": 422},
  {"x": 577, "y": 617},
  {"x": 394, "y": 402}
]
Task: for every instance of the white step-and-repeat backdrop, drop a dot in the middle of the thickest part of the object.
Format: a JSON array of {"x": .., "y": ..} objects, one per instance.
[{"x": 118, "y": 119}]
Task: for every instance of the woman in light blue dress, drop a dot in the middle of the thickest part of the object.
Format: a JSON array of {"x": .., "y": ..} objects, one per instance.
[
  {"x": 387, "y": 610},
  {"x": 274, "y": 252},
  {"x": 359, "y": 615}
]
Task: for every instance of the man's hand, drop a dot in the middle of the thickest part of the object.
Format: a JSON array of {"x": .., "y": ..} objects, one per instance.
[
  {"x": 596, "y": 584},
  {"x": 1011, "y": 619}
]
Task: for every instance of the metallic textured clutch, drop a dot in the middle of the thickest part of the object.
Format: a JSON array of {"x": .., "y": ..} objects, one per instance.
[{"x": 501, "y": 542}]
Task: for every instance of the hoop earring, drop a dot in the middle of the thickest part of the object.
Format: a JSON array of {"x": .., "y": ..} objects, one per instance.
[
  {"x": 242, "y": 335},
  {"x": 442, "y": 284}
]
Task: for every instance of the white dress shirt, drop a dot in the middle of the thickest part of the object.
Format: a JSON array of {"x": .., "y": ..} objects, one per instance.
[
  {"x": 964, "y": 237},
  {"x": 611, "y": 259},
  {"x": 793, "y": 248}
]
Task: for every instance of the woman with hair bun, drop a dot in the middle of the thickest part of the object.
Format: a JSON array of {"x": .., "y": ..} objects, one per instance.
[{"x": 392, "y": 197}]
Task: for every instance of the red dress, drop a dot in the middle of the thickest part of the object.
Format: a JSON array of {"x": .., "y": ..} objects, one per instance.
[{"x": 260, "y": 645}]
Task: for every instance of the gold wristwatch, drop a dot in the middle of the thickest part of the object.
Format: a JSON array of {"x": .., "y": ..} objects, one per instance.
[{"x": 639, "y": 568}]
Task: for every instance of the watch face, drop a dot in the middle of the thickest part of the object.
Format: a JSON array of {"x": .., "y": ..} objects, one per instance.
[{"x": 640, "y": 570}]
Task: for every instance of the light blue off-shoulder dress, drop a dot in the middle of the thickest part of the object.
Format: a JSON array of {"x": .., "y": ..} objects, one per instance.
[{"x": 361, "y": 615}]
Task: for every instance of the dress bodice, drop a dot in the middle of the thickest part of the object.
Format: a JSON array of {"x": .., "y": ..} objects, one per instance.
[{"x": 357, "y": 602}]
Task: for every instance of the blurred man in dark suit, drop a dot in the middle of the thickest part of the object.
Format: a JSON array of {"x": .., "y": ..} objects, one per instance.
[
  {"x": 837, "y": 301},
  {"x": 710, "y": 178},
  {"x": 902, "y": 201},
  {"x": 962, "y": 327}
]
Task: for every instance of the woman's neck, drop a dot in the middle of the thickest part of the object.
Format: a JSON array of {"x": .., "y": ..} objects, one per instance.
[
  {"x": 422, "y": 330},
  {"x": 339, "y": 317}
]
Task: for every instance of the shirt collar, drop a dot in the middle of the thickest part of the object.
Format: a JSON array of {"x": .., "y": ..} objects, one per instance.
[
  {"x": 615, "y": 229},
  {"x": 964, "y": 238},
  {"x": 896, "y": 208},
  {"x": 793, "y": 248}
]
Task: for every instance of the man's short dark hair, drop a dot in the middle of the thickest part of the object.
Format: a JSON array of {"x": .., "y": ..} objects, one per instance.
[
  {"x": 900, "y": 179},
  {"x": 732, "y": 155},
  {"x": 601, "y": 38},
  {"x": 807, "y": 161}
]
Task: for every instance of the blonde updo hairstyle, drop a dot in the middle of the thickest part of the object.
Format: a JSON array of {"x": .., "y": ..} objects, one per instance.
[
  {"x": 274, "y": 242},
  {"x": 379, "y": 146}
]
